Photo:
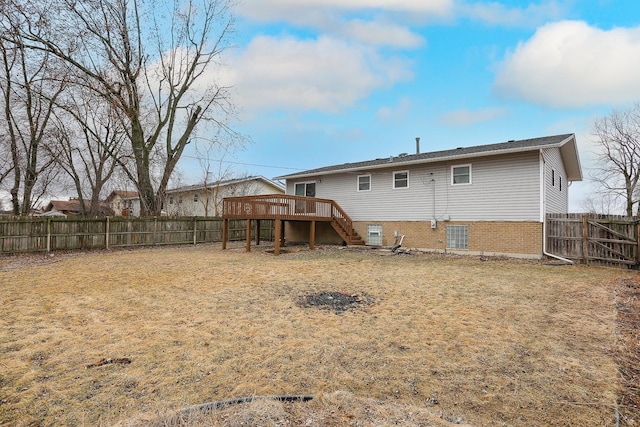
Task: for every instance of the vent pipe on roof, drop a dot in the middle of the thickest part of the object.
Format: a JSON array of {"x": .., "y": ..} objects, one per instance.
[{"x": 417, "y": 145}]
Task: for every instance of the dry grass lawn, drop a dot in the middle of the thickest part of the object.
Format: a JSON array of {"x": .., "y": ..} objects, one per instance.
[{"x": 440, "y": 339}]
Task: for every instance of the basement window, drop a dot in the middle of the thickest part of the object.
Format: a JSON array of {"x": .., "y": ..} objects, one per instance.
[
  {"x": 364, "y": 183},
  {"x": 457, "y": 237},
  {"x": 374, "y": 234}
]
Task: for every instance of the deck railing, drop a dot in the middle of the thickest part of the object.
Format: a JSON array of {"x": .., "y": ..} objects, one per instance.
[
  {"x": 289, "y": 208},
  {"x": 278, "y": 206}
]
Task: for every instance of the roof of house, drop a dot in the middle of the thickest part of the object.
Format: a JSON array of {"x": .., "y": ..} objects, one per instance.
[
  {"x": 124, "y": 194},
  {"x": 566, "y": 143},
  {"x": 73, "y": 207},
  {"x": 224, "y": 183}
]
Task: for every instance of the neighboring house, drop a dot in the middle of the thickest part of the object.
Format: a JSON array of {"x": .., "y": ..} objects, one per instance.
[
  {"x": 206, "y": 200},
  {"x": 120, "y": 201},
  {"x": 72, "y": 207},
  {"x": 489, "y": 199}
]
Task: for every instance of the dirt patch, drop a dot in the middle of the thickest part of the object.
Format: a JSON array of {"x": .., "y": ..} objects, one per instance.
[{"x": 338, "y": 302}]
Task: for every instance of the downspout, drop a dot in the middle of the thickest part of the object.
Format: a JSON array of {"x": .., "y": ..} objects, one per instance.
[{"x": 543, "y": 186}]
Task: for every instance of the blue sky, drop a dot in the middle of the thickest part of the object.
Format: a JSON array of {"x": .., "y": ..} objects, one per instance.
[{"x": 322, "y": 82}]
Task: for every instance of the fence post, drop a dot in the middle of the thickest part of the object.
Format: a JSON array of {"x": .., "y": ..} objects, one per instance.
[
  {"x": 106, "y": 233},
  {"x": 248, "y": 236},
  {"x": 225, "y": 232},
  {"x": 585, "y": 242},
  {"x": 194, "y": 230},
  {"x": 48, "y": 234}
]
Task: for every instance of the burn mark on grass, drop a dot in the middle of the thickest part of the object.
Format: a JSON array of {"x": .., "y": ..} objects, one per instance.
[{"x": 338, "y": 302}]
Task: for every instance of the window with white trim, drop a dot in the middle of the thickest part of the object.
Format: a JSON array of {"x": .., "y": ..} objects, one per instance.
[
  {"x": 170, "y": 200},
  {"x": 401, "y": 179},
  {"x": 460, "y": 174},
  {"x": 195, "y": 197},
  {"x": 364, "y": 183},
  {"x": 457, "y": 237}
]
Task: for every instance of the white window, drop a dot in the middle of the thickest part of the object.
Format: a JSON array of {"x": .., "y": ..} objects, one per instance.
[
  {"x": 374, "y": 234},
  {"x": 364, "y": 183},
  {"x": 195, "y": 197},
  {"x": 460, "y": 174},
  {"x": 179, "y": 199},
  {"x": 307, "y": 189},
  {"x": 170, "y": 200},
  {"x": 401, "y": 179},
  {"x": 457, "y": 237}
]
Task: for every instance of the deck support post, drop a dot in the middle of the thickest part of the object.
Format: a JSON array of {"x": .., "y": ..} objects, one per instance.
[
  {"x": 312, "y": 235},
  {"x": 257, "y": 232},
  {"x": 276, "y": 249},
  {"x": 248, "y": 235},
  {"x": 225, "y": 233}
]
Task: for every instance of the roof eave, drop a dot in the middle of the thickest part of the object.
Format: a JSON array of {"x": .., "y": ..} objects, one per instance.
[{"x": 571, "y": 159}]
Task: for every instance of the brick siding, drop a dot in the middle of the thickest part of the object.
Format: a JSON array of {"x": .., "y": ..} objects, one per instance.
[{"x": 521, "y": 239}]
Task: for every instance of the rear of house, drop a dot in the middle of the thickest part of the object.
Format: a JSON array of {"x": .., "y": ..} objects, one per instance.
[{"x": 488, "y": 199}]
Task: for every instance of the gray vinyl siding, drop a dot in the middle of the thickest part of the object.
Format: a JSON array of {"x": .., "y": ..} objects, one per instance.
[
  {"x": 556, "y": 197},
  {"x": 503, "y": 188}
]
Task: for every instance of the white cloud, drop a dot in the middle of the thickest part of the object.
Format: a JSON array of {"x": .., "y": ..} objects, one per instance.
[
  {"x": 396, "y": 112},
  {"x": 374, "y": 22},
  {"x": 467, "y": 117},
  {"x": 324, "y": 74},
  {"x": 379, "y": 33},
  {"x": 571, "y": 64},
  {"x": 498, "y": 14},
  {"x": 268, "y": 10}
]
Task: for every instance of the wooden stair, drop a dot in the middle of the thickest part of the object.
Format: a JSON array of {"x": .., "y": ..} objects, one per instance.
[
  {"x": 351, "y": 238},
  {"x": 341, "y": 222}
]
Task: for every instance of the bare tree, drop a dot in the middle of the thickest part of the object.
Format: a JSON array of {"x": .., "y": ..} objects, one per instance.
[
  {"x": 157, "y": 77},
  {"x": 617, "y": 140},
  {"x": 90, "y": 140},
  {"x": 603, "y": 203},
  {"x": 30, "y": 84},
  {"x": 213, "y": 173},
  {"x": 6, "y": 166}
]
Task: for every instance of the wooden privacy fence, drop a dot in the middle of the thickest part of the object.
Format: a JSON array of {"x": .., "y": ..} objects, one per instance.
[
  {"x": 51, "y": 234},
  {"x": 592, "y": 239}
]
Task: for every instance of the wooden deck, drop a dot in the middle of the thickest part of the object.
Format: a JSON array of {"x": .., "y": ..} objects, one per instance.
[{"x": 280, "y": 207}]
